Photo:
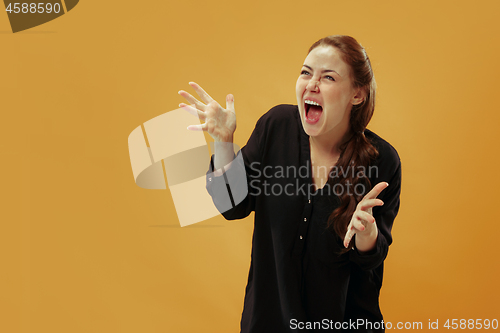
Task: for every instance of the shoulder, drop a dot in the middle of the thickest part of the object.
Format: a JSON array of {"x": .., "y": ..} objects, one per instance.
[
  {"x": 279, "y": 120},
  {"x": 279, "y": 114},
  {"x": 388, "y": 158}
]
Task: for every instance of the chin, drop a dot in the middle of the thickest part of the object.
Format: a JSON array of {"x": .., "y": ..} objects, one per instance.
[{"x": 311, "y": 131}]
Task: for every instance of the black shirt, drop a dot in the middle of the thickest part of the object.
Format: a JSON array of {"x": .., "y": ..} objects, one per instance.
[{"x": 298, "y": 280}]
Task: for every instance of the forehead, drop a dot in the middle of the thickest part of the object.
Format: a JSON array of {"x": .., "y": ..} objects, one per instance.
[{"x": 327, "y": 57}]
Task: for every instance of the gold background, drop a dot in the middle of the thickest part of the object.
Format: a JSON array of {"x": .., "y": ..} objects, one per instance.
[{"x": 83, "y": 249}]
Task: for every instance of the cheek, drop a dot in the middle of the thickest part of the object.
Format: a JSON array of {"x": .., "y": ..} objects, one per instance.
[
  {"x": 298, "y": 86},
  {"x": 338, "y": 98},
  {"x": 299, "y": 91}
]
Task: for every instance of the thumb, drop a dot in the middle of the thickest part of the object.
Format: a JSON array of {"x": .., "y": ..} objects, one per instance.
[{"x": 230, "y": 102}]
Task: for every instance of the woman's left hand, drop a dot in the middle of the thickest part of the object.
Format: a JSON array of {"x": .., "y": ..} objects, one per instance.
[{"x": 363, "y": 223}]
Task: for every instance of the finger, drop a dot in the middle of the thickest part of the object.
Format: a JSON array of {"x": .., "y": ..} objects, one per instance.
[
  {"x": 348, "y": 237},
  {"x": 367, "y": 217},
  {"x": 366, "y": 204},
  {"x": 364, "y": 216},
  {"x": 376, "y": 190},
  {"x": 199, "y": 105},
  {"x": 194, "y": 111},
  {"x": 202, "y": 93},
  {"x": 359, "y": 224},
  {"x": 200, "y": 127},
  {"x": 230, "y": 102}
]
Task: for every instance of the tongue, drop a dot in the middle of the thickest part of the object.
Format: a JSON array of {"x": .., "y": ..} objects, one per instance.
[{"x": 314, "y": 112}]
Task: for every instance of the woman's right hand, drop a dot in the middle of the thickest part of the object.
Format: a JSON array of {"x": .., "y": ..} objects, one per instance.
[{"x": 220, "y": 123}]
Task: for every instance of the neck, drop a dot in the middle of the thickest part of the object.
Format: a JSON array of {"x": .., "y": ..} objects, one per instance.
[{"x": 329, "y": 144}]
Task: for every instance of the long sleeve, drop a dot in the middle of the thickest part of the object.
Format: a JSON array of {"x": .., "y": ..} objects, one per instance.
[
  {"x": 230, "y": 191},
  {"x": 388, "y": 169}
]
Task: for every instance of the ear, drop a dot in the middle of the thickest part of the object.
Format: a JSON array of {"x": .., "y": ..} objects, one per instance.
[{"x": 359, "y": 97}]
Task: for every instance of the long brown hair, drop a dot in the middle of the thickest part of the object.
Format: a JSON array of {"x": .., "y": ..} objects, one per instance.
[{"x": 357, "y": 152}]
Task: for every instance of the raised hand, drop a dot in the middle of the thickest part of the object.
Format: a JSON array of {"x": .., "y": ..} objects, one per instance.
[
  {"x": 362, "y": 222},
  {"x": 220, "y": 123}
]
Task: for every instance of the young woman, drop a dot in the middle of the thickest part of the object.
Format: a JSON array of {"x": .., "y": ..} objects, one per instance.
[{"x": 318, "y": 181}]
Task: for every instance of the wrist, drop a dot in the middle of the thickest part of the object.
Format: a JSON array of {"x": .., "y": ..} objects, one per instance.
[{"x": 228, "y": 138}]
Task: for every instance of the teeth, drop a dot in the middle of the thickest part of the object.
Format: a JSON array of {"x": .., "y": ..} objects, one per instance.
[{"x": 311, "y": 102}]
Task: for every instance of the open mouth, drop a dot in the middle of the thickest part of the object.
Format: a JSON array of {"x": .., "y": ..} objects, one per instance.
[{"x": 313, "y": 111}]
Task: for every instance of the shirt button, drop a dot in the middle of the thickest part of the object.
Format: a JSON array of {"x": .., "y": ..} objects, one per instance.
[
  {"x": 300, "y": 237},
  {"x": 209, "y": 179},
  {"x": 309, "y": 200},
  {"x": 305, "y": 219}
]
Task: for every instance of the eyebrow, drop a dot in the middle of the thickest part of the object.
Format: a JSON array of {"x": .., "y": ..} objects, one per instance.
[{"x": 324, "y": 71}]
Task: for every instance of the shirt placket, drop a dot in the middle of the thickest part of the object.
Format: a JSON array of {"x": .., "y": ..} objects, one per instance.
[{"x": 303, "y": 228}]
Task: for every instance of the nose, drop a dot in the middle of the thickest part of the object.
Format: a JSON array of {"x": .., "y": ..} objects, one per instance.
[{"x": 313, "y": 85}]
